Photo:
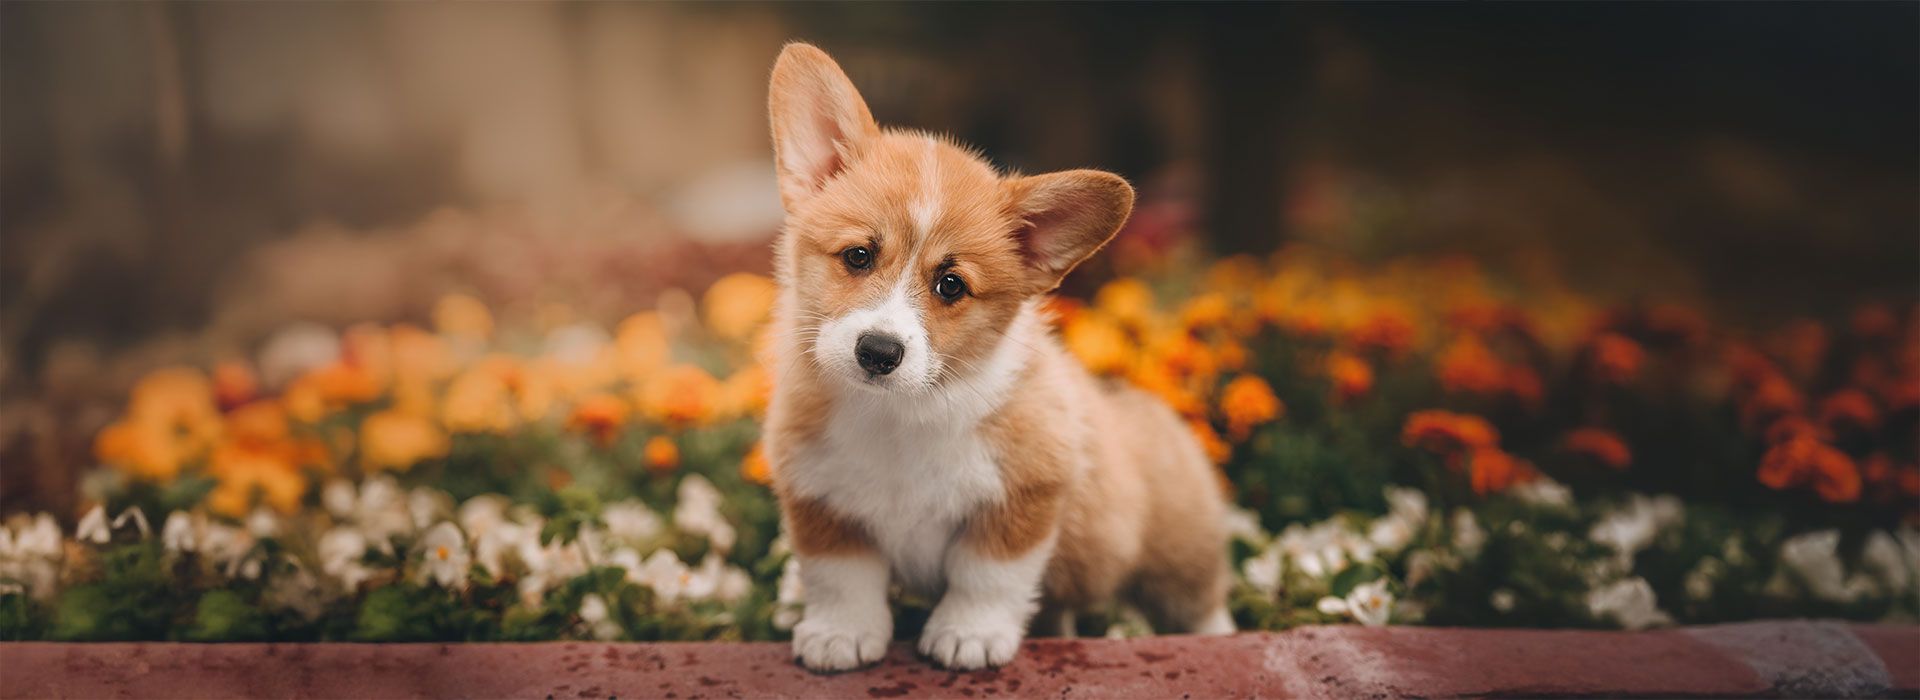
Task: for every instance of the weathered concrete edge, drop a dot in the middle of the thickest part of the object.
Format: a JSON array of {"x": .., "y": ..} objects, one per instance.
[{"x": 1788, "y": 659}]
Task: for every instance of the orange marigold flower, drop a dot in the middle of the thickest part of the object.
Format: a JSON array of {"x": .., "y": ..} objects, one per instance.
[
  {"x": 1388, "y": 330},
  {"x": 1352, "y": 377},
  {"x": 394, "y": 440},
  {"x": 1493, "y": 470},
  {"x": 234, "y": 383},
  {"x": 1805, "y": 460},
  {"x": 599, "y": 415},
  {"x": 1614, "y": 358},
  {"x": 144, "y": 449},
  {"x": 242, "y": 472},
  {"x": 1467, "y": 366},
  {"x": 1524, "y": 385},
  {"x": 1849, "y": 409},
  {"x": 1157, "y": 379},
  {"x": 477, "y": 401},
  {"x": 662, "y": 454},
  {"x": 1448, "y": 434},
  {"x": 737, "y": 304},
  {"x": 681, "y": 395},
  {"x": 1600, "y": 445},
  {"x": 1246, "y": 402},
  {"x": 1801, "y": 346},
  {"x": 462, "y": 316},
  {"x": 1217, "y": 450},
  {"x": 1773, "y": 397},
  {"x": 340, "y": 384},
  {"x": 1792, "y": 426},
  {"x": 755, "y": 468},
  {"x": 641, "y": 344},
  {"x": 1208, "y": 310},
  {"x": 261, "y": 424},
  {"x": 1099, "y": 343},
  {"x": 1127, "y": 300}
]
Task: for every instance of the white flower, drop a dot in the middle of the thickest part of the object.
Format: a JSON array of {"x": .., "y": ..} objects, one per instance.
[
  {"x": 178, "y": 534},
  {"x": 1242, "y": 524},
  {"x": 263, "y": 523},
  {"x": 1390, "y": 534},
  {"x": 30, "y": 554},
  {"x": 1543, "y": 492},
  {"x": 548, "y": 566},
  {"x": 665, "y": 574},
  {"x": 135, "y": 516},
  {"x": 1629, "y": 602},
  {"x": 698, "y": 512},
  {"x": 427, "y": 506},
  {"x": 1700, "y": 579},
  {"x": 1263, "y": 571},
  {"x": 93, "y": 527},
  {"x": 1884, "y": 557},
  {"x": 599, "y": 619},
  {"x": 339, "y": 497},
  {"x": 229, "y": 548},
  {"x": 1370, "y": 604},
  {"x": 1633, "y": 527},
  {"x": 714, "y": 579},
  {"x": 447, "y": 561},
  {"x": 1502, "y": 600},
  {"x": 295, "y": 589},
  {"x": 380, "y": 509},
  {"x": 1468, "y": 538},
  {"x": 1814, "y": 558},
  {"x": 482, "y": 513},
  {"x": 631, "y": 520},
  {"x": 494, "y": 545},
  {"x": 1406, "y": 504},
  {"x": 343, "y": 552}
]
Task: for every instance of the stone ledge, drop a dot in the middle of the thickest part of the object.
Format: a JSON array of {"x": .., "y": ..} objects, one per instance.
[{"x": 1743, "y": 660}]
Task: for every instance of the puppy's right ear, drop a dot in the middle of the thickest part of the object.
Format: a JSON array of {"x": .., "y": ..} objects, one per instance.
[{"x": 819, "y": 121}]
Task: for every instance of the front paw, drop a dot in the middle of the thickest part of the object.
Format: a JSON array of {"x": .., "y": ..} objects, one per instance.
[
  {"x": 824, "y": 646},
  {"x": 968, "y": 645}
]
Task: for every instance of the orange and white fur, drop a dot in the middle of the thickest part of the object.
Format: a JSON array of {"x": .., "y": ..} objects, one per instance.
[{"x": 927, "y": 431}]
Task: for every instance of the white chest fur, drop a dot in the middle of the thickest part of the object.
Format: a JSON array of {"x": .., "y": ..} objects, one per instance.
[{"x": 911, "y": 483}]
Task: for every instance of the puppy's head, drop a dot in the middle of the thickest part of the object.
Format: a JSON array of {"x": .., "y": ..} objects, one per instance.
[{"x": 905, "y": 258}]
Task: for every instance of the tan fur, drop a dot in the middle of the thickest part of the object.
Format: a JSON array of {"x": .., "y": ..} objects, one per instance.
[{"x": 1112, "y": 471}]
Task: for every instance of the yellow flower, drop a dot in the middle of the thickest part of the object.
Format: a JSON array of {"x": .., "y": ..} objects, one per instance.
[
  {"x": 662, "y": 454},
  {"x": 1099, "y": 343},
  {"x": 394, "y": 440},
  {"x": 1246, "y": 402},
  {"x": 1126, "y": 300},
  {"x": 737, "y": 304},
  {"x": 171, "y": 419},
  {"x": 462, "y": 316}
]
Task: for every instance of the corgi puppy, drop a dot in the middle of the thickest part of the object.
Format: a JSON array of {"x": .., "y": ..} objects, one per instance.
[{"x": 927, "y": 431}]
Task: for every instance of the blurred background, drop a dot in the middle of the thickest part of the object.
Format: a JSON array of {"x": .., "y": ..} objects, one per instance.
[{"x": 180, "y": 182}]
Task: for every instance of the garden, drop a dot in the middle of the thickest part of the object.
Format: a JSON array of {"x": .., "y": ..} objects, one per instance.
[{"x": 1409, "y": 441}]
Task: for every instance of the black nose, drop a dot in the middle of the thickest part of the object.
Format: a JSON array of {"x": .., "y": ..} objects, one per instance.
[{"x": 878, "y": 354}]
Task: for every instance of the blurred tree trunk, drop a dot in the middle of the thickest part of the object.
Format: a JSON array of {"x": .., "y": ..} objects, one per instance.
[{"x": 1254, "y": 62}]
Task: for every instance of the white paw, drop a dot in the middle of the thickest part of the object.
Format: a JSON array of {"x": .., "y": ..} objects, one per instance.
[
  {"x": 967, "y": 645},
  {"x": 821, "y": 645}
]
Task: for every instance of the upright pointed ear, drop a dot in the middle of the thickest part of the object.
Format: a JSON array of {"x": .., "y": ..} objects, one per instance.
[
  {"x": 1066, "y": 217},
  {"x": 818, "y": 120}
]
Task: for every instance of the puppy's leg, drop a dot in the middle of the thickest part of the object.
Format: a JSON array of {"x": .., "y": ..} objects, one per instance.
[
  {"x": 847, "y": 622},
  {"x": 993, "y": 582}
]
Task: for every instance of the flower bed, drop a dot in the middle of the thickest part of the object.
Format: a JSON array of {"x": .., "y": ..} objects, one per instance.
[{"x": 1413, "y": 444}]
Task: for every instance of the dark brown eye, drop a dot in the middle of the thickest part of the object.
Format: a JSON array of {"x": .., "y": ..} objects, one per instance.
[
  {"x": 950, "y": 287},
  {"x": 857, "y": 257}
]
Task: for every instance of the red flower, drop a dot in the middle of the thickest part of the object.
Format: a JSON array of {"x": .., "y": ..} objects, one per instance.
[{"x": 1600, "y": 445}]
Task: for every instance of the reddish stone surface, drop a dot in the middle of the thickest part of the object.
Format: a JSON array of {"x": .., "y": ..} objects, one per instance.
[
  {"x": 1899, "y": 647},
  {"x": 1312, "y": 662}
]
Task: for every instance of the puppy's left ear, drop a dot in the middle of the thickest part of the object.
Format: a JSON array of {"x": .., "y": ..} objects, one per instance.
[{"x": 1065, "y": 217}]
